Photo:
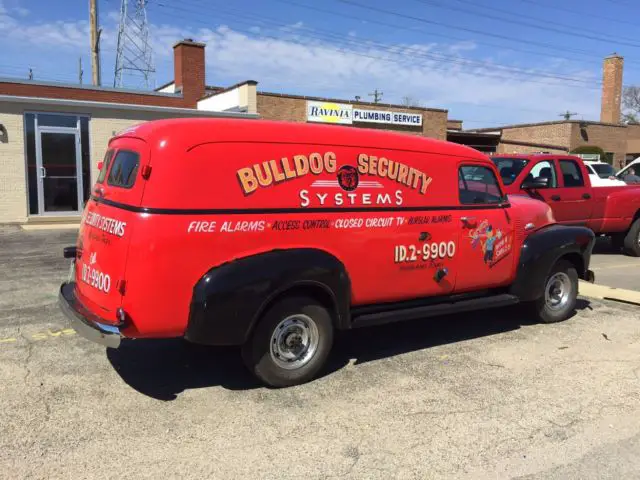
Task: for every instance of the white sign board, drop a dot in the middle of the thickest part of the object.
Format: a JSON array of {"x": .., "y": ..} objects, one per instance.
[
  {"x": 345, "y": 114},
  {"x": 384, "y": 116},
  {"x": 328, "y": 112}
]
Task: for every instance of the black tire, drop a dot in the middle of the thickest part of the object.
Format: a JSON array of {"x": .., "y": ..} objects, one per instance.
[
  {"x": 544, "y": 310},
  {"x": 632, "y": 240},
  {"x": 257, "y": 351}
]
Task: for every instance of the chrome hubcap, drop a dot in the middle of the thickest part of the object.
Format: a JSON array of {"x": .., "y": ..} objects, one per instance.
[
  {"x": 557, "y": 291},
  {"x": 294, "y": 342}
]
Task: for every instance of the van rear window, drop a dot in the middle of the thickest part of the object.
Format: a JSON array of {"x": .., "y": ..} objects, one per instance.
[
  {"x": 105, "y": 166},
  {"x": 125, "y": 169}
]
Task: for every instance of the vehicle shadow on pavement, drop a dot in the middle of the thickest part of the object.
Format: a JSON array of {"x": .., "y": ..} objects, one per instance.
[
  {"x": 604, "y": 246},
  {"x": 163, "y": 369}
]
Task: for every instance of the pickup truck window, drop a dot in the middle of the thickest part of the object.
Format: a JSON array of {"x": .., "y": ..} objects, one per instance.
[
  {"x": 571, "y": 174},
  {"x": 509, "y": 168},
  {"x": 124, "y": 170},
  {"x": 478, "y": 185},
  {"x": 544, "y": 170}
]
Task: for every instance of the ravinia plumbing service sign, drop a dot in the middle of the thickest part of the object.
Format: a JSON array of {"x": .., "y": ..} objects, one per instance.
[{"x": 345, "y": 114}]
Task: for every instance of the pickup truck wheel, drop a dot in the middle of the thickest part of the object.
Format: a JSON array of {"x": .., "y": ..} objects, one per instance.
[
  {"x": 632, "y": 240},
  {"x": 290, "y": 343},
  {"x": 560, "y": 293}
]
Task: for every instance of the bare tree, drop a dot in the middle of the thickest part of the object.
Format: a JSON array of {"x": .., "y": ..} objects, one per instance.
[
  {"x": 631, "y": 104},
  {"x": 410, "y": 101}
]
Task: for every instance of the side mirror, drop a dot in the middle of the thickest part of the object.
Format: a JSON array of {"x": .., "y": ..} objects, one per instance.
[
  {"x": 100, "y": 163},
  {"x": 540, "y": 182}
]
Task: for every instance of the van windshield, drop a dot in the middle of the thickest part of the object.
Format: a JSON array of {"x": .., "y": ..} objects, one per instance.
[
  {"x": 509, "y": 168},
  {"x": 125, "y": 169}
]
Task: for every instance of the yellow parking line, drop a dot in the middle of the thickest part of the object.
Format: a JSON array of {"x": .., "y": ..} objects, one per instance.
[{"x": 8, "y": 340}]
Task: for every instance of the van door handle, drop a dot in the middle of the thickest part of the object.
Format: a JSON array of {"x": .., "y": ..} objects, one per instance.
[
  {"x": 555, "y": 197},
  {"x": 469, "y": 222},
  {"x": 586, "y": 196}
]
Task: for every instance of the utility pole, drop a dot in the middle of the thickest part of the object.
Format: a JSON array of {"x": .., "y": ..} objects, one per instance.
[
  {"x": 376, "y": 95},
  {"x": 80, "y": 71},
  {"x": 567, "y": 115},
  {"x": 95, "y": 42}
]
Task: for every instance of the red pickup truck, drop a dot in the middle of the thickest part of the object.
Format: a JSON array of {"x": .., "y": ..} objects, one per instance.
[{"x": 563, "y": 182}]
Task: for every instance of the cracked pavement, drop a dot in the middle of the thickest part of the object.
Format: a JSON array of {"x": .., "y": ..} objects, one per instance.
[{"x": 483, "y": 395}]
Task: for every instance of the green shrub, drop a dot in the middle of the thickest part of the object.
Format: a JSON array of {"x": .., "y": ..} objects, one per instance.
[{"x": 594, "y": 150}]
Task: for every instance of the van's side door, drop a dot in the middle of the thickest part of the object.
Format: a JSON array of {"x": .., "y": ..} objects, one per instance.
[{"x": 486, "y": 230}]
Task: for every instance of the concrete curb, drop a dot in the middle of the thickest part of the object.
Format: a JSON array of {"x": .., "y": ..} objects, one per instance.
[
  {"x": 50, "y": 226},
  {"x": 603, "y": 292}
]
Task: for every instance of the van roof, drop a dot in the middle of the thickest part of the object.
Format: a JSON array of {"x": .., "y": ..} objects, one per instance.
[{"x": 191, "y": 132}]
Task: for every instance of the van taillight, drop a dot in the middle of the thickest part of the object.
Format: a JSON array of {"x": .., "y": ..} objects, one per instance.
[
  {"x": 146, "y": 172},
  {"x": 121, "y": 286}
]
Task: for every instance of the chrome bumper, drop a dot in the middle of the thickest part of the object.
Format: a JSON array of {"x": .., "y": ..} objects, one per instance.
[{"x": 84, "y": 322}]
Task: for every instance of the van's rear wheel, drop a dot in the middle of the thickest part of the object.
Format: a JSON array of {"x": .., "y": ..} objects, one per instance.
[
  {"x": 632, "y": 240},
  {"x": 291, "y": 342},
  {"x": 560, "y": 293}
]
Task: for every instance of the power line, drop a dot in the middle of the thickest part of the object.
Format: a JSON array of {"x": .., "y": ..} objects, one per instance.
[
  {"x": 578, "y": 12},
  {"x": 471, "y": 30},
  {"x": 452, "y": 37},
  {"x": 414, "y": 52},
  {"x": 570, "y": 33}
]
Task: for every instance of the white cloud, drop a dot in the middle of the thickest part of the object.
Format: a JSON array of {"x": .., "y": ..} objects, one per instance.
[
  {"x": 22, "y": 12},
  {"x": 435, "y": 74},
  {"x": 427, "y": 72}
]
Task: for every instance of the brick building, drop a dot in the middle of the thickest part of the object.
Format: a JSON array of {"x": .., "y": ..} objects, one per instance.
[
  {"x": 620, "y": 142},
  {"x": 53, "y": 135},
  {"x": 430, "y": 122}
]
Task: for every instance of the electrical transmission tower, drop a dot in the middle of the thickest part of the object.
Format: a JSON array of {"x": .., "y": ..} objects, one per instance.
[{"x": 134, "y": 57}]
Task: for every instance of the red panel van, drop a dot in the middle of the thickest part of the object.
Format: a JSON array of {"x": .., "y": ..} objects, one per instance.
[{"x": 272, "y": 235}]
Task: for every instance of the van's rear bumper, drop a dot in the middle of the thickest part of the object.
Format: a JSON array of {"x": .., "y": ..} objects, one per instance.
[{"x": 84, "y": 322}]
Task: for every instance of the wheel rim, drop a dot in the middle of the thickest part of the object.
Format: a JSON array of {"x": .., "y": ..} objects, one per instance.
[
  {"x": 558, "y": 291},
  {"x": 294, "y": 342}
]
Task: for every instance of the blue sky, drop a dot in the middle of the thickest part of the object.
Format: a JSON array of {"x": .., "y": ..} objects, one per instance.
[{"x": 488, "y": 62}]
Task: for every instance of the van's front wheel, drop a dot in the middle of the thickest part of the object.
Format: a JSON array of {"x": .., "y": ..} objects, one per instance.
[
  {"x": 560, "y": 294},
  {"x": 290, "y": 343}
]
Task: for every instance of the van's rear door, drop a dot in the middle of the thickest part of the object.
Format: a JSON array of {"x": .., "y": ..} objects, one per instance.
[{"x": 107, "y": 227}]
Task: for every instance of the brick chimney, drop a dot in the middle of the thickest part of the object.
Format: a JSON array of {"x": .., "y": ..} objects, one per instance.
[
  {"x": 188, "y": 71},
  {"x": 611, "y": 89}
]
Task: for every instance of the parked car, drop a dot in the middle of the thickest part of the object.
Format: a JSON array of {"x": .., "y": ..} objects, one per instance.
[
  {"x": 272, "y": 235},
  {"x": 564, "y": 183},
  {"x": 601, "y": 174}
]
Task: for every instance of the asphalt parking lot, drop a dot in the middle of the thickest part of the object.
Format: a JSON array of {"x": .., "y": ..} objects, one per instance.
[
  {"x": 485, "y": 395},
  {"x": 613, "y": 269}
]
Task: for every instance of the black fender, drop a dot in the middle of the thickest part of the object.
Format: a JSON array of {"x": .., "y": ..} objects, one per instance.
[
  {"x": 229, "y": 299},
  {"x": 542, "y": 249}
]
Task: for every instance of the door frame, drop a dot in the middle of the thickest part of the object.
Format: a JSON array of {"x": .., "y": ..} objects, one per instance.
[{"x": 77, "y": 132}]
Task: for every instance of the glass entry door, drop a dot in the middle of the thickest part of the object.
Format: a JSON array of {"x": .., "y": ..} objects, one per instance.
[{"x": 59, "y": 170}]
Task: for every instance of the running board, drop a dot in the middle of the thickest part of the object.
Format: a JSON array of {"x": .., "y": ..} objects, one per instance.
[{"x": 444, "y": 308}]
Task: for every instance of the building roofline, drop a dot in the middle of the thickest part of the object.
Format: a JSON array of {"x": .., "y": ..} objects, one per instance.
[
  {"x": 121, "y": 106},
  {"x": 553, "y": 122},
  {"x": 350, "y": 102},
  {"x": 172, "y": 82},
  {"x": 213, "y": 93},
  {"x": 473, "y": 134},
  {"x": 533, "y": 144},
  {"x": 77, "y": 86}
]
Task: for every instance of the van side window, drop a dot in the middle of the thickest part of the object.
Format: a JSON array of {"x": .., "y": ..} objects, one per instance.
[
  {"x": 543, "y": 170},
  {"x": 571, "y": 174},
  {"x": 124, "y": 170},
  {"x": 105, "y": 166},
  {"x": 478, "y": 185}
]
